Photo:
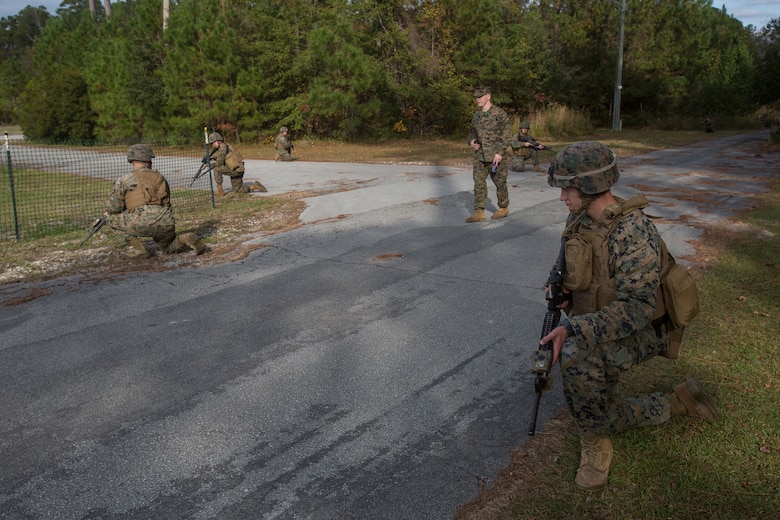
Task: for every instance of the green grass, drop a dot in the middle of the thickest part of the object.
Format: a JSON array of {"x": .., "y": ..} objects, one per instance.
[
  {"x": 45, "y": 203},
  {"x": 687, "y": 468}
]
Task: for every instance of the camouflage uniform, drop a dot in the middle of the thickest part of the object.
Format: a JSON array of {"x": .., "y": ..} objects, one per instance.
[
  {"x": 523, "y": 152},
  {"x": 219, "y": 168},
  {"x": 150, "y": 220},
  {"x": 283, "y": 145},
  {"x": 618, "y": 336},
  {"x": 491, "y": 130},
  {"x": 615, "y": 319}
]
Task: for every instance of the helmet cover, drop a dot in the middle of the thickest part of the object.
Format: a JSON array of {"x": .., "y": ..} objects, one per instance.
[
  {"x": 589, "y": 166},
  {"x": 140, "y": 152}
]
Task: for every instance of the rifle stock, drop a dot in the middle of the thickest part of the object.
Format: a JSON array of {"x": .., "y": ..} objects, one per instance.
[{"x": 542, "y": 360}]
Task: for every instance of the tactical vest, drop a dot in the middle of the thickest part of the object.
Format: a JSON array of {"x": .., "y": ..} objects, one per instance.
[
  {"x": 588, "y": 270},
  {"x": 233, "y": 159},
  {"x": 150, "y": 190},
  {"x": 589, "y": 276}
]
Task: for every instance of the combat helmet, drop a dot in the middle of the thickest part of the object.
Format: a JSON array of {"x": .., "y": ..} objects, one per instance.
[
  {"x": 589, "y": 166},
  {"x": 283, "y": 129},
  {"x": 140, "y": 152},
  {"x": 215, "y": 136},
  {"x": 525, "y": 124}
]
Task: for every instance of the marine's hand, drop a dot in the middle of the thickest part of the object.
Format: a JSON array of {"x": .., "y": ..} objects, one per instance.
[
  {"x": 475, "y": 145},
  {"x": 566, "y": 299},
  {"x": 557, "y": 337}
]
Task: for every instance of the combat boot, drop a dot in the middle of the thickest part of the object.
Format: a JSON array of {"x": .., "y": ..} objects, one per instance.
[
  {"x": 595, "y": 459},
  {"x": 192, "y": 241},
  {"x": 537, "y": 169},
  {"x": 689, "y": 398},
  {"x": 501, "y": 213},
  {"x": 220, "y": 192},
  {"x": 478, "y": 216},
  {"x": 256, "y": 186},
  {"x": 138, "y": 250}
]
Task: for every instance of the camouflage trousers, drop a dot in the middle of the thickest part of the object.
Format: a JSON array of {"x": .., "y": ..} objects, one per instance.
[
  {"x": 481, "y": 171},
  {"x": 283, "y": 155},
  {"x": 236, "y": 179},
  {"x": 517, "y": 163},
  {"x": 589, "y": 384},
  {"x": 155, "y": 222}
]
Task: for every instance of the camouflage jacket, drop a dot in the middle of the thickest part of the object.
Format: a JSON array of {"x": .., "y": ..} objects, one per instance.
[
  {"x": 219, "y": 155},
  {"x": 129, "y": 182},
  {"x": 519, "y": 140},
  {"x": 634, "y": 267},
  {"x": 492, "y": 131},
  {"x": 282, "y": 143}
]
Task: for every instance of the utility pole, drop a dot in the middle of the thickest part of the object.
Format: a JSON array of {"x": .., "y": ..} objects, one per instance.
[{"x": 616, "y": 124}]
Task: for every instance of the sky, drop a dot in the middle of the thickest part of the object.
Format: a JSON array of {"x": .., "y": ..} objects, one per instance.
[{"x": 749, "y": 12}]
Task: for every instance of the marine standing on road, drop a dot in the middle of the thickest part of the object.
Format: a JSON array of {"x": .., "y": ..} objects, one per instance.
[
  {"x": 140, "y": 206},
  {"x": 525, "y": 147},
  {"x": 489, "y": 136},
  {"x": 228, "y": 161},
  {"x": 283, "y": 145},
  {"x": 613, "y": 322}
]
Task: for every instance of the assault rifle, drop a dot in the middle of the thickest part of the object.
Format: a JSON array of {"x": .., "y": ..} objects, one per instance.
[
  {"x": 542, "y": 360},
  {"x": 99, "y": 223},
  {"x": 202, "y": 170},
  {"x": 539, "y": 146}
]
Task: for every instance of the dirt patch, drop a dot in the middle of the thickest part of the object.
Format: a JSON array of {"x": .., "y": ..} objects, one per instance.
[{"x": 226, "y": 234}]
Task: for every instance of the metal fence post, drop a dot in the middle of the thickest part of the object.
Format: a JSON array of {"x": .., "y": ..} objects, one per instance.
[{"x": 11, "y": 185}]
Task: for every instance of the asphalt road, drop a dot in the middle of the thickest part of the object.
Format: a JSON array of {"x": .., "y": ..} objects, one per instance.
[{"x": 373, "y": 364}]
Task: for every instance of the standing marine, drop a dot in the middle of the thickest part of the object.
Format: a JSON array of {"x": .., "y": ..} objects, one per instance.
[
  {"x": 615, "y": 319},
  {"x": 489, "y": 135},
  {"x": 226, "y": 160},
  {"x": 140, "y": 206}
]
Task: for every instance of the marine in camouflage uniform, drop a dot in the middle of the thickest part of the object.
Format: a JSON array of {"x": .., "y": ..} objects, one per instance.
[
  {"x": 140, "y": 206},
  {"x": 283, "y": 145},
  {"x": 609, "y": 326},
  {"x": 489, "y": 136},
  {"x": 219, "y": 158},
  {"x": 524, "y": 147}
]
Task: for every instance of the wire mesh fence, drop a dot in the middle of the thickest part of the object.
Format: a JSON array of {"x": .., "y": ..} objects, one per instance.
[{"x": 50, "y": 189}]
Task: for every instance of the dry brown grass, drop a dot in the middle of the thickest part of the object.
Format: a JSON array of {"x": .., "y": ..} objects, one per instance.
[{"x": 455, "y": 151}]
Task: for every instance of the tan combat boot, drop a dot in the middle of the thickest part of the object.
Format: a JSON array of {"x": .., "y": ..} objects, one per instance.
[
  {"x": 595, "y": 459},
  {"x": 256, "y": 186},
  {"x": 137, "y": 249},
  {"x": 478, "y": 216},
  {"x": 689, "y": 398},
  {"x": 538, "y": 169},
  {"x": 220, "y": 192},
  {"x": 192, "y": 241},
  {"x": 501, "y": 213}
]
